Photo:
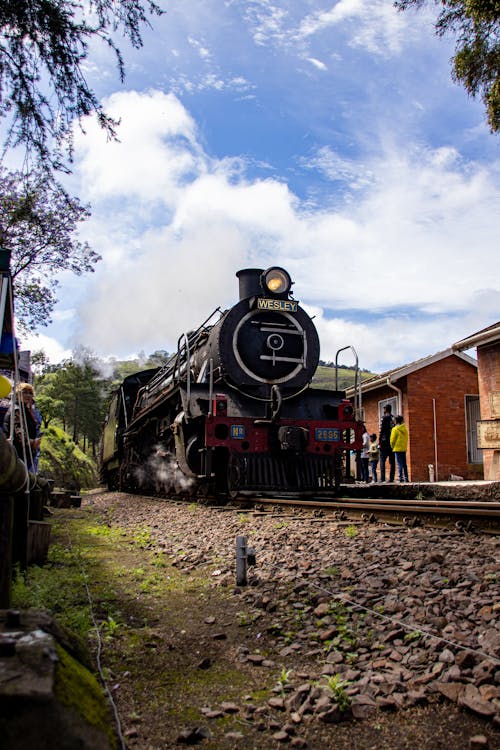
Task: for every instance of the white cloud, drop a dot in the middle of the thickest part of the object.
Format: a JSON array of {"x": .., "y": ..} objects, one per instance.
[
  {"x": 156, "y": 150},
  {"x": 53, "y": 349},
  {"x": 317, "y": 63},
  {"x": 374, "y": 25},
  {"x": 405, "y": 255}
]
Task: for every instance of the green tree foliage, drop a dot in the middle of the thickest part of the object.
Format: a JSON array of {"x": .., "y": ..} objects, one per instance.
[
  {"x": 50, "y": 408},
  {"x": 157, "y": 358},
  {"x": 476, "y": 64},
  {"x": 44, "y": 47},
  {"x": 78, "y": 384},
  {"x": 39, "y": 221}
]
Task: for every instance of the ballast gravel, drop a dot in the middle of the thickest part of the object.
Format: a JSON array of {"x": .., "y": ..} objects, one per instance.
[{"x": 365, "y": 618}]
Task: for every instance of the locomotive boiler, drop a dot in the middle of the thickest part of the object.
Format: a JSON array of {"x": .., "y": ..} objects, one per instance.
[{"x": 233, "y": 410}]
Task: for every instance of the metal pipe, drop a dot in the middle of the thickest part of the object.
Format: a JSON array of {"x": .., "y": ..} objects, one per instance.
[
  {"x": 390, "y": 384},
  {"x": 436, "y": 470}
]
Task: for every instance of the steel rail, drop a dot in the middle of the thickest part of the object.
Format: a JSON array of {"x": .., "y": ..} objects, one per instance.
[{"x": 486, "y": 514}]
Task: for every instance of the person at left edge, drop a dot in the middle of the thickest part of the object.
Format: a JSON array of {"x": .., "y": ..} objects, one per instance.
[{"x": 31, "y": 419}]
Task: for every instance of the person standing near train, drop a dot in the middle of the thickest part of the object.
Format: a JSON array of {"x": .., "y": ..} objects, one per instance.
[
  {"x": 25, "y": 430},
  {"x": 373, "y": 454},
  {"x": 384, "y": 441},
  {"x": 364, "y": 456},
  {"x": 399, "y": 444}
]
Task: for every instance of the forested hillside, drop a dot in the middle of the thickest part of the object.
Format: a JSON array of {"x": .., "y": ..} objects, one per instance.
[{"x": 325, "y": 377}]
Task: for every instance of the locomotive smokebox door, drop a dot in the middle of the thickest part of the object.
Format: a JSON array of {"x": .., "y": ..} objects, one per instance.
[{"x": 266, "y": 347}]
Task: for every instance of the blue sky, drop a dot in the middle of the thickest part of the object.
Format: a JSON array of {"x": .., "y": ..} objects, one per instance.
[{"x": 325, "y": 137}]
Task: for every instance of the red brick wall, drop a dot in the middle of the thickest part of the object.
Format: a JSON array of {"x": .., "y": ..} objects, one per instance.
[
  {"x": 488, "y": 360},
  {"x": 446, "y": 381}
]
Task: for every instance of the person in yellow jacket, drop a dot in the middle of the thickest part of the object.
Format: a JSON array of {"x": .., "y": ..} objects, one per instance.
[{"x": 399, "y": 444}]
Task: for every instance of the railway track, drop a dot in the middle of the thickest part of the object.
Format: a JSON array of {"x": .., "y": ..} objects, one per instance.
[{"x": 464, "y": 516}]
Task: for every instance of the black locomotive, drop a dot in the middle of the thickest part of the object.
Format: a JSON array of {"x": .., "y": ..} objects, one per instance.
[{"x": 233, "y": 409}]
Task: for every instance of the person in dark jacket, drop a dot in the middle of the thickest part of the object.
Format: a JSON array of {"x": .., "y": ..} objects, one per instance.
[
  {"x": 26, "y": 436},
  {"x": 384, "y": 442}
]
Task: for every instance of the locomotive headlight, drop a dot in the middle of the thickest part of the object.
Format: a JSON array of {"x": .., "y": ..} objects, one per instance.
[{"x": 276, "y": 281}]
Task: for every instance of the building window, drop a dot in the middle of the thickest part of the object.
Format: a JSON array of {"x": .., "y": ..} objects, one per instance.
[
  {"x": 472, "y": 417},
  {"x": 393, "y": 402}
]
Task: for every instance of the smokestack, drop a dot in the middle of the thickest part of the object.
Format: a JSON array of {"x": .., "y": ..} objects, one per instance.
[{"x": 249, "y": 279}]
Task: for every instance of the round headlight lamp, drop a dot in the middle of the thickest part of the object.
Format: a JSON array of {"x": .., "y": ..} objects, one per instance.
[{"x": 276, "y": 281}]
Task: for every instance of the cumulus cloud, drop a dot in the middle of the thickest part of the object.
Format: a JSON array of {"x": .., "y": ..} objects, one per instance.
[
  {"x": 40, "y": 342},
  {"x": 396, "y": 270},
  {"x": 157, "y": 150}
]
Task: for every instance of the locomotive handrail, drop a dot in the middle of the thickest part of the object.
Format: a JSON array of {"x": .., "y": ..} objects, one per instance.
[
  {"x": 210, "y": 385},
  {"x": 169, "y": 369},
  {"x": 357, "y": 386},
  {"x": 187, "y": 361},
  {"x": 122, "y": 394}
]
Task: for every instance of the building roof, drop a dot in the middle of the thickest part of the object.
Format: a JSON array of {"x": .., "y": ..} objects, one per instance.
[
  {"x": 392, "y": 376},
  {"x": 488, "y": 335}
]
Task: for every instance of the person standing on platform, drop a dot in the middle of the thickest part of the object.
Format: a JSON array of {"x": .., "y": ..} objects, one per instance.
[
  {"x": 399, "y": 444},
  {"x": 373, "y": 454},
  {"x": 364, "y": 456},
  {"x": 384, "y": 441}
]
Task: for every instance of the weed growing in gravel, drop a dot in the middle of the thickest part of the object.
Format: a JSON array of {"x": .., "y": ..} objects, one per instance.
[
  {"x": 413, "y": 636},
  {"x": 101, "y": 530},
  {"x": 332, "y": 571},
  {"x": 110, "y": 627},
  {"x": 243, "y": 518},
  {"x": 345, "y": 637},
  {"x": 284, "y": 679},
  {"x": 351, "y": 531},
  {"x": 337, "y": 687},
  {"x": 142, "y": 537},
  {"x": 275, "y": 628},
  {"x": 244, "y": 619},
  {"x": 280, "y": 525}
]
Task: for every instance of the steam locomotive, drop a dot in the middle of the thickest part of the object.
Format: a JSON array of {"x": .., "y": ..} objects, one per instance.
[{"x": 233, "y": 411}]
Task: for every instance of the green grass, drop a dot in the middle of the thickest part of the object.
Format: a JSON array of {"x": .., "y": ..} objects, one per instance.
[{"x": 325, "y": 378}]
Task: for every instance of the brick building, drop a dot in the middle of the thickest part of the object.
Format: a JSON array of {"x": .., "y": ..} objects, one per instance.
[
  {"x": 487, "y": 343},
  {"x": 438, "y": 398}
]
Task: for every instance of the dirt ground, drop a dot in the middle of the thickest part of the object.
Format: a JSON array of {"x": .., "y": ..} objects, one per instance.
[{"x": 190, "y": 661}]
